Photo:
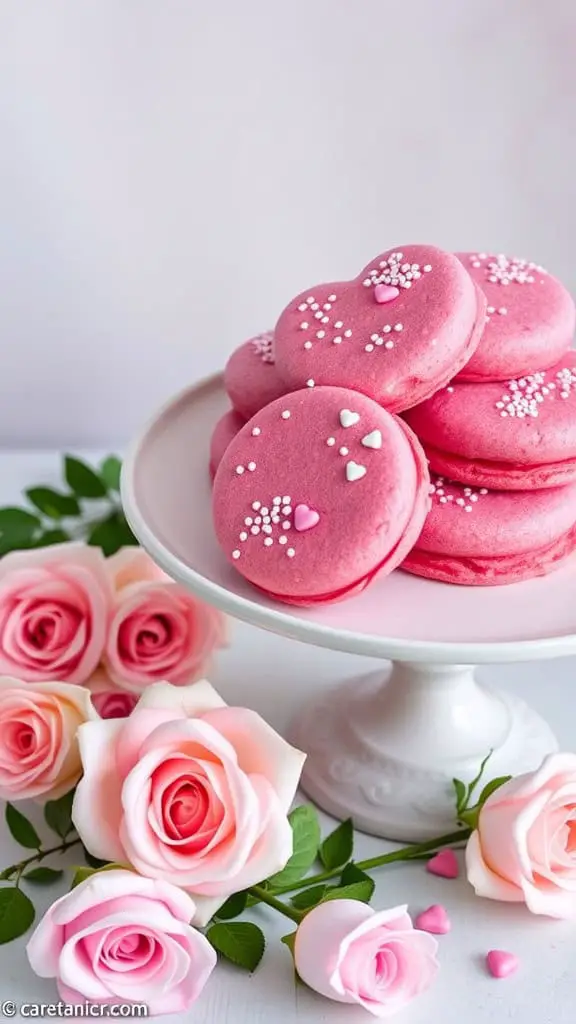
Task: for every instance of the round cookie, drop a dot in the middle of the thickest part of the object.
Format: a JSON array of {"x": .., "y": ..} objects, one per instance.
[
  {"x": 398, "y": 332},
  {"x": 318, "y": 493},
  {"x": 250, "y": 375},
  {"x": 530, "y": 318},
  {"x": 519, "y": 435},
  {"x": 488, "y": 538},
  {"x": 226, "y": 428}
]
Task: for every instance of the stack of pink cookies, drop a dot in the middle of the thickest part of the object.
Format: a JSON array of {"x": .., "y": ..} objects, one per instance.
[{"x": 421, "y": 415}]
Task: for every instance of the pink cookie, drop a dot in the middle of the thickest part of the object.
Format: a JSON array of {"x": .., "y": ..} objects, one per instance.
[
  {"x": 530, "y": 318},
  {"x": 520, "y": 435},
  {"x": 398, "y": 332},
  {"x": 486, "y": 538},
  {"x": 250, "y": 376},
  {"x": 226, "y": 428},
  {"x": 332, "y": 491}
]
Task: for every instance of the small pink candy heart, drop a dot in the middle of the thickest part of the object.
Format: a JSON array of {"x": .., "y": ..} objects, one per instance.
[
  {"x": 444, "y": 864},
  {"x": 501, "y": 964},
  {"x": 305, "y": 518},
  {"x": 434, "y": 920},
  {"x": 385, "y": 293}
]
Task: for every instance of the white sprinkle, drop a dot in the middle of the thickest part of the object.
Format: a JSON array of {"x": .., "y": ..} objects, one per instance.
[
  {"x": 336, "y": 341},
  {"x": 490, "y": 309},
  {"x": 326, "y": 306},
  {"x": 243, "y": 535},
  {"x": 387, "y": 329},
  {"x": 318, "y": 316},
  {"x": 286, "y": 525},
  {"x": 286, "y": 414},
  {"x": 239, "y": 470},
  {"x": 266, "y": 519},
  {"x": 443, "y": 501},
  {"x": 248, "y": 521},
  {"x": 275, "y": 519},
  {"x": 330, "y": 441},
  {"x": 450, "y": 389},
  {"x": 502, "y": 310},
  {"x": 427, "y": 268},
  {"x": 483, "y": 490},
  {"x": 367, "y": 282},
  {"x": 348, "y": 334},
  {"x": 338, "y": 324},
  {"x": 310, "y": 383},
  {"x": 374, "y": 337},
  {"x": 310, "y": 299},
  {"x": 268, "y": 541},
  {"x": 266, "y": 529},
  {"x": 302, "y": 307},
  {"x": 255, "y": 530},
  {"x": 389, "y": 344},
  {"x": 320, "y": 334},
  {"x": 277, "y": 501},
  {"x": 290, "y": 552},
  {"x": 304, "y": 325},
  {"x": 343, "y": 451},
  {"x": 258, "y": 520},
  {"x": 397, "y": 327},
  {"x": 325, "y": 319},
  {"x": 236, "y": 554},
  {"x": 380, "y": 341},
  {"x": 256, "y": 431},
  {"x": 282, "y": 539},
  {"x": 264, "y": 510},
  {"x": 286, "y": 499},
  {"x": 286, "y": 510},
  {"x": 331, "y": 298},
  {"x": 468, "y": 508},
  {"x": 307, "y": 344},
  {"x": 251, "y": 466},
  {"x": 369, "y": 348},
  {"x": 314, "y": 306},
  {"x": 255, "y": 505}
]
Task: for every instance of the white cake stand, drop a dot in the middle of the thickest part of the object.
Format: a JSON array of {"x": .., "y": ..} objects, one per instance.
[{"x": 384, "y": 748}]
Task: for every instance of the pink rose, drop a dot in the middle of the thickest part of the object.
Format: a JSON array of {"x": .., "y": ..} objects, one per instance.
[
  {"x": 119, "y": 938},
  {"x": 188, "y": 790},
  {"x": 54, "y": 605},
  {"x": 108, "y": 699},
  {"x": 158, "y": 631},
  {"x": 524, "y": 848},
  {"x": 39, "y": 754},
  {"x": 348, "y": 952}
]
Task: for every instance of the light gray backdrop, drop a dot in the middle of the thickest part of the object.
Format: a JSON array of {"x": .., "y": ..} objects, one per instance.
[{"x": 171, "y": 171}]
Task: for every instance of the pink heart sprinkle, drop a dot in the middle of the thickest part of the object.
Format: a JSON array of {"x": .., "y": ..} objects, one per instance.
[
  {"x": 305, "y": 518},
  {"x": 501, "y": 964},
  {"x": 385, "y": 293},
  {"x": 444, "y": 864},
  {"x": 434, "y": 920}
]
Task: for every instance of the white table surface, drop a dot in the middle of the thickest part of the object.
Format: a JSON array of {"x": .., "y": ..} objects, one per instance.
[{"x": 274, "y": 676}]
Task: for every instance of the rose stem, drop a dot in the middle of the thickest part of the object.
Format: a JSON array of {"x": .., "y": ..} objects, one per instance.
[
  {"x": 263, "y": 896},
  {"x": 35, "y": 858},
  {"x": 405, "y": 853}
]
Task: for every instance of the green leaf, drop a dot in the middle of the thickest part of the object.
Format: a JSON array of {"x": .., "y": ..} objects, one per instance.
[
  {"x": 234, "y": 906},
  {"x": 362, "y": 891},
  {"x": 491, "y": 787},
  {"x": 240, "y": 942},
  {"x": 21, "y": 829},
  {"x": 290, "y": 941},
  {"x": 305, "y": 844},
  {"x": 309, "y": 897},
  {"x": 337, "y": 848},
  {"x": 43, "y": 876},
  {"x": 51, "y": 537},
  {"x": 53, "y": 503},
  {"x": 82, "y": 873},
  {"x": 461, "y": 794},
  {"x": 472, "y": 785},
  {"x": 111, "y": 534},
  {"x": 58, "y": 814},
  {"x": 16, "y": 913},
  {"x": 110, "y": 473},
  {"x": 352, "y": 873},
  {"x": 82, "y": 479},
  {"x": 94, "y": 862},
  {"x": 17, "y": 528}
]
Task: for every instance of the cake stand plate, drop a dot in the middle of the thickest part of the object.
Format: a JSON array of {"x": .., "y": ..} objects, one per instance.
[{"x": 384, "y": 748}]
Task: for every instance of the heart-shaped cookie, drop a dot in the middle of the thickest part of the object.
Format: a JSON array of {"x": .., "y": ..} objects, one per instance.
[
  {"x": 305, "y": 518},
  {"x": 434, "y": 920},
  {"x": 398, "y": 332}
]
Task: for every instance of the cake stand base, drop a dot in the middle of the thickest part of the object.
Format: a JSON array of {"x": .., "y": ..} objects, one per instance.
[{"x": 383, "y": 750}]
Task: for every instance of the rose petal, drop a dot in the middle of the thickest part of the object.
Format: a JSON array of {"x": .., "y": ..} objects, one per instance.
[
  {"x": 97, "y": 808},
  {"x": 484, "y": 881}
]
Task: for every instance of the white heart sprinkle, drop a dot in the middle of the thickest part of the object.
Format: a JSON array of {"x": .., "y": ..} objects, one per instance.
[
  {"x": 347, "y": 418},
  {"x": 354, "y": 471},
  {"x": 372, "y": 440}
]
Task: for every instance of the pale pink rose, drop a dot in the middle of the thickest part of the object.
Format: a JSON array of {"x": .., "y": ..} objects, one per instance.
[
  {"x": 39, "y": 756},
  {"x": 54, "y": 607},
  {"x": 524, "y": 848},
  {"x": 109, "y": 700},
  {"x": 350, "y": 953},
  {"x": 188, "y": 790},
  {"x": 119, "y": 938},
  {"x": 158, "y": 631}
]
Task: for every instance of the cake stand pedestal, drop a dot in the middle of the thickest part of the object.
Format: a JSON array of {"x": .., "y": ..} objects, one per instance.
[{"x": 384, "y": 748}]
